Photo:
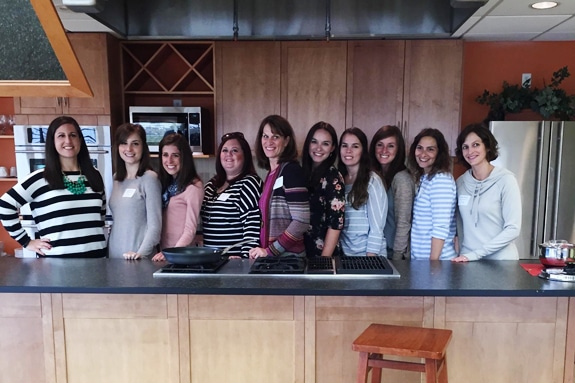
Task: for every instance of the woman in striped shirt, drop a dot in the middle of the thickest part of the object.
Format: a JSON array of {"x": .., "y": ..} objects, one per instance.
[
  {"x": 284, "y": 203},
  {"x": 433, "y": 226},
  {"x": 365, "y": 198},
  {"x": 230, "y": 212},
  {"x": 67, "y": 199}
]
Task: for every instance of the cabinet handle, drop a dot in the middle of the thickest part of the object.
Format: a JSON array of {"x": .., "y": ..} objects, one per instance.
[
  {"x": 65, "y": 101},
  {"x": 59, "y": 101}
]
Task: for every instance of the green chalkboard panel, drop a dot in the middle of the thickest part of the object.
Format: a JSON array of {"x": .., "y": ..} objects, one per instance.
[{"x": 26, "y": 53}]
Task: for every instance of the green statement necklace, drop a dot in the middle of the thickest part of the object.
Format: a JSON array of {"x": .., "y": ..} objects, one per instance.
[{"x": 75, "y": 187}]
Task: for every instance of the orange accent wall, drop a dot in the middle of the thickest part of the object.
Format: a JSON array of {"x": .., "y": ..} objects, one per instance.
[{"x": 487, "y": 64}]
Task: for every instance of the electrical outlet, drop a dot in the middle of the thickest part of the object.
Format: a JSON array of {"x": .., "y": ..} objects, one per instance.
[
  {"x": 177, "y": 102},
  {"x": 526, "y": 80}
]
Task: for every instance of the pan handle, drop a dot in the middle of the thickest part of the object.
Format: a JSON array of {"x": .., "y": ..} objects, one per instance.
[{"x": 224, "y": 251}]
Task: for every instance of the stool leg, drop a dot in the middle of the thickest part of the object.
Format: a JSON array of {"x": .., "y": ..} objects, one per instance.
[
  {"x": 430, "y": 371},
  {"x": 443, "y": 373},
  {"x": 362, "y": 368},
  {"x": 376, "y": 372}
]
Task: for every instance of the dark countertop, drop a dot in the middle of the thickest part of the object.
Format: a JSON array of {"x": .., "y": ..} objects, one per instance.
[{"x": 418, "y": 278}]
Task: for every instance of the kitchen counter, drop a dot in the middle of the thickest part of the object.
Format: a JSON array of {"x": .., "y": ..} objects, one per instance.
[
  {"x": 112, "y": 320},
  {"x": 421, "y": 278}
]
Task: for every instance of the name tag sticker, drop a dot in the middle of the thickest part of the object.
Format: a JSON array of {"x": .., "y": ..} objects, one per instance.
[
  {"x": 223, "y": 197},
  {"x": 129, "y": 193},
  {"x": 279, "y": 182},
  {"x": 464, "y": 200}
]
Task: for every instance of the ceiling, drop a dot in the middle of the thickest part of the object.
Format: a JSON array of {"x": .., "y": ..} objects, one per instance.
[{"x": 497, "y": 20}]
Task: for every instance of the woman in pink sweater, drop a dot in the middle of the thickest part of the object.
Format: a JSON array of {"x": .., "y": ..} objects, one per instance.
[{"x": 182, "y": 193}]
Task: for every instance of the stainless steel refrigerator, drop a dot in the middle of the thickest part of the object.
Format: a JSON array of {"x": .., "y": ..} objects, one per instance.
[{"x": 541, "y": 154}]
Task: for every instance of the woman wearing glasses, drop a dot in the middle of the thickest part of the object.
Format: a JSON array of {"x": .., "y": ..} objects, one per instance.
[
  {"x": 433, "y": 226},
  {"x": 182, "y": 193},
  {"x": 284, "y": 203},
  {"x": 230, "y": 212},
  {"x": 326, "y": 191}
]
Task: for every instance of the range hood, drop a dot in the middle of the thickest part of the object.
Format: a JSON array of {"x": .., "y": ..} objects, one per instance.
[{"x": 279, "y": 19}]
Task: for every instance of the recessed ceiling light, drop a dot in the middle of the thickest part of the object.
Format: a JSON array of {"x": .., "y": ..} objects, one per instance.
[{"x": 544, "y": 5}]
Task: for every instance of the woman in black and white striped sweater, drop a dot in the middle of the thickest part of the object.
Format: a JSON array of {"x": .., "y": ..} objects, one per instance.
[{"x": 67, "y": 199}]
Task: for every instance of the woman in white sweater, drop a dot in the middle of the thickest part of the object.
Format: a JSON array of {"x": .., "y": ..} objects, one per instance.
[
  {"x": 136, "y": 201},
  {"x": 489, "y": 200}
]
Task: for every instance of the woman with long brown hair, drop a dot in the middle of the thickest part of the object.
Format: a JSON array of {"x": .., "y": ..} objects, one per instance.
[{"x": 387, "y": 152}]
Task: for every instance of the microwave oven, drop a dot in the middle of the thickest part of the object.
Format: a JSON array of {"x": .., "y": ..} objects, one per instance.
[{"x": 157, "y": 121}]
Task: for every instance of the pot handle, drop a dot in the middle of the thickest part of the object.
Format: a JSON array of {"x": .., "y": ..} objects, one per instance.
[{"x": 224, "y": 251}]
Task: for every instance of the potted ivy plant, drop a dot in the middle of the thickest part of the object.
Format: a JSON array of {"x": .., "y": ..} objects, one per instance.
[{"x": 551, "y": 102}]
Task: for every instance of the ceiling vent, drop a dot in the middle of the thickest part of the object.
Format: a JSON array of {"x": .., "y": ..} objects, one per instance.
[{"x": 84, "y": 6}]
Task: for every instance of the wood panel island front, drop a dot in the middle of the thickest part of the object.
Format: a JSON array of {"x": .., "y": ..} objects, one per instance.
[{"x": 110, "y": 320}]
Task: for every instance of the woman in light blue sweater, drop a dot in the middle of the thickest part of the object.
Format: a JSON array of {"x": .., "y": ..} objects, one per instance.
[{"x": 489, "y": 200}]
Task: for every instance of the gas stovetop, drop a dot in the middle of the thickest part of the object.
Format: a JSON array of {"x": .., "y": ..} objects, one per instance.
[{"x": 316, "y": 267}]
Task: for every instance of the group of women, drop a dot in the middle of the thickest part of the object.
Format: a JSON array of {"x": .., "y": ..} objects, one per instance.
[{"x": 346, "y": 198}]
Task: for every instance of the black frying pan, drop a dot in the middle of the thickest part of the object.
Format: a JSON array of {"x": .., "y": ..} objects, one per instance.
[{"x": 196, "y": 255}]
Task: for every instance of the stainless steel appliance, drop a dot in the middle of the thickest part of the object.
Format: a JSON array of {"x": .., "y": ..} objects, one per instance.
[
  {"x": 29, "y": 142},
  {"x": 191, "y": 122},
  {"x": 541, "y": 155}
]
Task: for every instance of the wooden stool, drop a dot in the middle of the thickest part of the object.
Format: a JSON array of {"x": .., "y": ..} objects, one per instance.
[{"x": 380, "y": 339}]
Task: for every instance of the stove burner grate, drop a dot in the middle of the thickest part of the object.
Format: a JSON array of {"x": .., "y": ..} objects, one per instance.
[
  {"x": 320, "y": 265},
  {"x": 363, "y": 265},
  {"x": 194, "y": 269},
  {"x": 278, "y": 265}
]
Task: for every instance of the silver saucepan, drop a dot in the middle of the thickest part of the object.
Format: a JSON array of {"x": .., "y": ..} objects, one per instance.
[{"x": 197, "y": 255}]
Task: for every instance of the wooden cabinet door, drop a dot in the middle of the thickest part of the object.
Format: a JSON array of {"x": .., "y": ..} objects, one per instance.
[
  {"x": 38, "y": 105},
  {"x": 432, "y": 88},
  {"x": 90, "y": 48},
  {"x": 313, "y": 85},
  {"x": 248, "y": 86},
  {"x": 375, "y": 84}
]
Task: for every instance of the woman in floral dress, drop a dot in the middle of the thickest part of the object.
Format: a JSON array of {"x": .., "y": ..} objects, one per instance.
[{"x": 326, "y": 191}]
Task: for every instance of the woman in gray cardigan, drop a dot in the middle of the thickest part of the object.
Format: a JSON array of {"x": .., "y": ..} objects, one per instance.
[
  {"x": 387, "y": 152},
  {"x": 136, "y": 201}
]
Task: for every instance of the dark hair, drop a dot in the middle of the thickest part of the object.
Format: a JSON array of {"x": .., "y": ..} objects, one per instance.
[
  {"x": 53, "y": 169},
  {"x": 312, "y": 175},
  {"x": 442, "y": 161},
  {"x": 187, "y": 174},
  {"x": 483, "y": 132},
  {"x": 281, "y": 126},
  {"x": 358, "y": 194},
  {"x": 398, "y": 163},
  {"x": 247, "y": 169},
  {"x": 123, "y": 132}
]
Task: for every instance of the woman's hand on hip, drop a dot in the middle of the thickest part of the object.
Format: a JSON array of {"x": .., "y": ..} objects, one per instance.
[{"x": 39, "y": 245}]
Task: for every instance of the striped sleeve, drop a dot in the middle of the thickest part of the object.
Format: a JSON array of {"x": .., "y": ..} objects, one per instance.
[
  {"x": 15, "y": 198},
  {"x": 297, "y": 199},
  {"x": 251, "y": 189},
  {"x": 376, "y": 215},
  {"x": 442, "y": 202}
]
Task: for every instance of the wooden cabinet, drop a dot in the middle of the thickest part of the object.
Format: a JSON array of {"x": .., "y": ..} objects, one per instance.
[
  {"x": 314, "y": 85},
  {"x": 248, "y": 86},
  {"x": 302, "y": 81},
  {"x": 432, "y": 90},
  {"x": 412, "y": 84},
  {"x": 98, "y": 56}
]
